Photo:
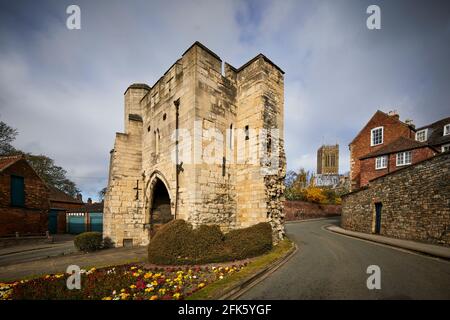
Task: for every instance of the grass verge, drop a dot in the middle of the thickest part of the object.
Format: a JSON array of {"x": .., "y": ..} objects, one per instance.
[{"x": 218, "y": 288}]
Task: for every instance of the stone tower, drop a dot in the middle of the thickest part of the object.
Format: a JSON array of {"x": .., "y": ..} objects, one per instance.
[
  {"x": 199, "y": 145},
  {"x": 328, "y": 159}
]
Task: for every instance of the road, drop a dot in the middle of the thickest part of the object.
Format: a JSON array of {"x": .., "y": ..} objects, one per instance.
[{"x": 332, "y": 266}]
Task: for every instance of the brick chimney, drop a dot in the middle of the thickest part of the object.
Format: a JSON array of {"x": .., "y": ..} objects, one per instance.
[
  {"x": 394, "y": 114},
  {"x": 89, "y": 201},
  {"x": 80, "y": 197}
]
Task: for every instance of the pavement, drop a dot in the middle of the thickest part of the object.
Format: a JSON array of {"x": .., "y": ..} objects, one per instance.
[
  {"x": 425, "y": 248},
  {"x": 62, "y": 245},
  {"x": 42, "y": 266},
  {"x": 329, "y": 265}
]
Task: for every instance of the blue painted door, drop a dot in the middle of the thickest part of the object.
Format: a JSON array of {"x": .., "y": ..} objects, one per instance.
[
  {"x": 96, "y": 221},
  {"x": 378, "y": 207},
  {"x": 76, "y": 224},
  {"x": 53, "y": 221}
]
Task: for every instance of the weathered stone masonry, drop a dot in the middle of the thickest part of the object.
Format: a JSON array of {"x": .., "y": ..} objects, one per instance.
[
  {"x": 145, "y": 184},
  {"x": 415, "y": 203}
]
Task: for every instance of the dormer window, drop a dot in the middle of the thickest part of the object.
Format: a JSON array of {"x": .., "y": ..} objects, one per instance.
[
  {"x": 447, "y": 129},
  {"x": 422, "y": 135},
  {"x": 376, "y": 136}
]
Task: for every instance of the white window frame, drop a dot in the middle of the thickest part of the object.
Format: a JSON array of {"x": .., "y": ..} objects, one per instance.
[
  {"x": 382, "y": 164},
  {"x": 447, "y": 129},
  {"x": 371, "y": 136},
  {"x": 425, "y": 137},
  {"x": 445, "y": 146},
  {"x": 402, "y": 155}
]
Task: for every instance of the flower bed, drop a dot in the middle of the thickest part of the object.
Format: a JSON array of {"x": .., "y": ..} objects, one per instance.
[{"x": 126, "y": 282}]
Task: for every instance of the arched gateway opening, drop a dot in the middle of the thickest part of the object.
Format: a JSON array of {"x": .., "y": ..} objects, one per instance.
[{"x": 160, "y": 211}]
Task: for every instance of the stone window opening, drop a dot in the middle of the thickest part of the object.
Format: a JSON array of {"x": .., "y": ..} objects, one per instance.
[
  {"x": 148, "y": 129},
  {"x": 376, "y": 136},
  {"x": 269, "y": 143},
  {"x": 158, "y": 138},
  {"x": 247, "y": 133},
  {"x": 231, "y": 137},
  {"x": 164, "y": 116}
]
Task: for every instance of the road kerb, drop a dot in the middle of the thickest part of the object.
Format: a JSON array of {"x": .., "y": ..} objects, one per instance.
[
  {"x": 245, "y": 285},
  {"x": 442, "y": 253}
]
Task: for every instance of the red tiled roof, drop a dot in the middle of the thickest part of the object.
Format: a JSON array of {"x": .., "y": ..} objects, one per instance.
[
  {"x": 401, "y": 144},
  {"x": 93, "y": 207},
  {"x": 6, "y": 161}
]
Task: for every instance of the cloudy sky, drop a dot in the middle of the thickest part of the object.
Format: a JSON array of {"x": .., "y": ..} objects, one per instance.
[{"x": 63, "y": 89}]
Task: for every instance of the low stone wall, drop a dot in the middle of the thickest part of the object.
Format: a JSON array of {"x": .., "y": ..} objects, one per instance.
[
  {"x": 415, "y": 203},
  {"x": 301, "y": 210}
]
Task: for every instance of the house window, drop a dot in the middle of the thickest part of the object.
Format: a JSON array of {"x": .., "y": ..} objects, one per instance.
[
  {"x": 447, "y": 129},
  {"x": 17, "y": 191},
  {"x": 381, "y": 162},
  {"x": 421, "y": 135},
  {"x": 446, "y": 147},
  {"x": 404, "y": 158},
  {"x": 376, "y": 136}
]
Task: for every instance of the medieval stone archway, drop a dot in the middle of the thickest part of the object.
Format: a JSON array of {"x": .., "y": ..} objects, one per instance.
[{"x": 158, "y": 202}]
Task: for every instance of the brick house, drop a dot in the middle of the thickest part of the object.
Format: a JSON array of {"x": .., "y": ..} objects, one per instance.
[
  {"x": 386, "y": 144},
  {"x": 391, "y": 157},
  {"x": 436, "y": 134},
  {"x": 23, "y": 198},
  {"x": 381, "y": 130},
  {"x": 60, "y": 203}
]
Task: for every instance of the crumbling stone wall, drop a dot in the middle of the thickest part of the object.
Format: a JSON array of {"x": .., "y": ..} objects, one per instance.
[
  {"x": 415, "y": 203},
  {"x": 220, "y": 179}
]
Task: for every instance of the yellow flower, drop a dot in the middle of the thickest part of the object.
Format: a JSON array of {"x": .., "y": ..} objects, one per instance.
[
  {"x": 122, "y": 290},
  {"x": 176, "y": 296},
  {"x": 132, "y": 286},
  {"x": 154, "y": 283},
  {"x": 148, "y": 275},
  {"x": 132, "y": 268},
  {"x": 201, "y": 285},
  {"x": 149, "y": 289},
  {"x": 135, "y": 274},
  {"x": 154, "y": 298},
  {"x": 162, "y": 291},
  {"x": 107, "y": 298}
]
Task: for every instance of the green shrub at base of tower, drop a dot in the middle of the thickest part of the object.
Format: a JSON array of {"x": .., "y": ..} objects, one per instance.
[{"x": 177, "y": 243}]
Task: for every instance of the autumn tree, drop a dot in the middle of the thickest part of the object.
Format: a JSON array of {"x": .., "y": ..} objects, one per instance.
[{"x": 44, "y": 166}]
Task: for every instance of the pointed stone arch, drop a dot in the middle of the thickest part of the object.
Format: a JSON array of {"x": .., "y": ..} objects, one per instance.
[{"x": 159, "y": 206}]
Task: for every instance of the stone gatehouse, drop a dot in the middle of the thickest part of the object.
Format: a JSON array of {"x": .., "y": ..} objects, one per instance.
[
  {"x": 411, "y": 203},
  {"x": 201, "y": 144}
]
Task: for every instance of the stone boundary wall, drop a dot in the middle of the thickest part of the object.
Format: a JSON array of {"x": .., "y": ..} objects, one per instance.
[
  {"x": 301, "y": 210},
  {"x": 415, "y": 203}
]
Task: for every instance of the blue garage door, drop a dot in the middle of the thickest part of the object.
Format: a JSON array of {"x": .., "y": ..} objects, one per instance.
[
  {"x": 53, "y": 221},
  {"x": 76, "y": 224},
  {"x": 96, "y": 221}
]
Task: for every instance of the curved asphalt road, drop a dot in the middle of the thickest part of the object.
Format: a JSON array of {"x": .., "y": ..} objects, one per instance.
[{"x": 332, "y": 266}]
